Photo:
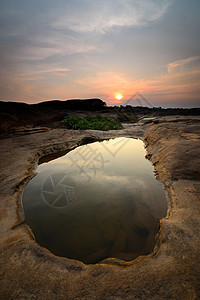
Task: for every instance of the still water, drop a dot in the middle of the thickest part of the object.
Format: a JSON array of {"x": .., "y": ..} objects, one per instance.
[{"x": 98, "y": 201}]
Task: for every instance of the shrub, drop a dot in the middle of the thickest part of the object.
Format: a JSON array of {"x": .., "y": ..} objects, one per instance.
[{"x": 91, "y": 122}]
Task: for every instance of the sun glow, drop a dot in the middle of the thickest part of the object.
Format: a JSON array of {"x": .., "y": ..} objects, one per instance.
[{"x": 118, "y": 96}]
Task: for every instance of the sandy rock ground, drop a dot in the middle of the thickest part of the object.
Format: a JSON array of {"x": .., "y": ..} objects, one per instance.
[{"x": 28, "y": 271}]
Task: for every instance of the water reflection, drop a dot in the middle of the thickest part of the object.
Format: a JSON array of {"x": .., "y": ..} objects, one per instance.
[{"x": 100, "y": 200}]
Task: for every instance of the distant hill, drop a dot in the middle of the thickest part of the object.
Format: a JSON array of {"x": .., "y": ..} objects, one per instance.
[
  {"x": 14, "y": 114},
  {"x": 75, "y": 104}
]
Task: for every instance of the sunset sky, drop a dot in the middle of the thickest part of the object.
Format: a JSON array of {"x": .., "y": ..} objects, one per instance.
[{"x": 64, "y": 49}]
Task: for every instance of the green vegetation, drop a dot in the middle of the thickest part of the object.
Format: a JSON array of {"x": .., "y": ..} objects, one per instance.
[
  {"x": 127, "y": 117},
  {"x": 91, "y": 122}
]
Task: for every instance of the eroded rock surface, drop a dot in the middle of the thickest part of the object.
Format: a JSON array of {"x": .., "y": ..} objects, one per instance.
[{"x": 28, "y": 271}]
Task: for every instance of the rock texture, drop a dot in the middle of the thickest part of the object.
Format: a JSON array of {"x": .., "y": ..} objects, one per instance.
[{"x": 28, "y": 271}]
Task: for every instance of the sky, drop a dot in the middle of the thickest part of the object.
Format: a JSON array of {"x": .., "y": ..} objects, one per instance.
[{"x": 107, "y": 49}]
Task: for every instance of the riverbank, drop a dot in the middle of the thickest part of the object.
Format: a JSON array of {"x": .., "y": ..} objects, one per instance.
[{"x": 171, "y": 272}]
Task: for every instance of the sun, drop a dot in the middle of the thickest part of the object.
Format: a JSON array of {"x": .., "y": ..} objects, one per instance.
[{"x": 118, "y": 96}]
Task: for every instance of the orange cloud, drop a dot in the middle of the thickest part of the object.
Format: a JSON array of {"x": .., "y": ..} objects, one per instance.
[
  {"x": 177, "y": 83},
  {"x": 180, "y": 80},
  {"x": 111, "y": 83}
]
